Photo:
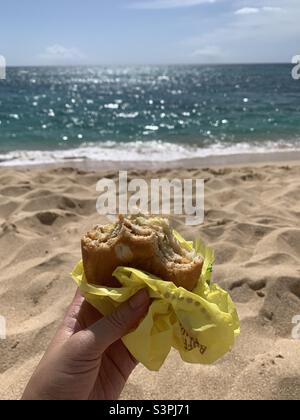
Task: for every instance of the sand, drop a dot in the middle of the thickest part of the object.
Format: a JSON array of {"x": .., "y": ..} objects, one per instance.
[{"x": 252, "y": 218}]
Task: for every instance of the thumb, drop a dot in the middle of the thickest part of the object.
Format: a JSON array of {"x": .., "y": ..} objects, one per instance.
[{"x": 125, "y": 318}]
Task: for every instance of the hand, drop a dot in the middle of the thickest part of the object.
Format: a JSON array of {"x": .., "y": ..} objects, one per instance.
[{"x": 87, "y": 359}]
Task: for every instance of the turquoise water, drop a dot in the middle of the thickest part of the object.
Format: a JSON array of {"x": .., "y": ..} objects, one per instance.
[{"x": 159, "y": 113}]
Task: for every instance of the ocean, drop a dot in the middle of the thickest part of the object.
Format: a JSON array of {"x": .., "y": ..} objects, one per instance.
[{"x": 159, "y": 113}]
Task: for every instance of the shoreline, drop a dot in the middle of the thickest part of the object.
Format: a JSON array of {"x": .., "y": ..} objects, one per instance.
[{"x": 253, "y": 159}]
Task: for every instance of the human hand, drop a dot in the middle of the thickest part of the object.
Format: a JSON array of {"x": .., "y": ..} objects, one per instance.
[{"x": 87, "y": 359}]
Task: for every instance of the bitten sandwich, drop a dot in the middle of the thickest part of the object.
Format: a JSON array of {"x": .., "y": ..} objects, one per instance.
[{"x": 147, "y": 244}]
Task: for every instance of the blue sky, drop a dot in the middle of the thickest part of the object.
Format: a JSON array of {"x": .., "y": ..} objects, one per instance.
[{"x": 148, "y": 31}]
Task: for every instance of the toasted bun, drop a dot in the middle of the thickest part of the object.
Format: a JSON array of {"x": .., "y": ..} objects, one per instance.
[{"x": 137, "y": 242}]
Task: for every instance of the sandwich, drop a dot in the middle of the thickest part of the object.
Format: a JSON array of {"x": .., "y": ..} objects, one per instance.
[{"x": 147, "y": 244}]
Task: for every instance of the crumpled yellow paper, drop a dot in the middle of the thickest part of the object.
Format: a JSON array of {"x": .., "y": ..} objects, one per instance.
[{"x": 201, "y": 325}]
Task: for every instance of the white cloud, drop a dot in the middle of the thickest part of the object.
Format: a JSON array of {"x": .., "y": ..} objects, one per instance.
[
  {"x": 270, "y": 35},
  {"x": 247, "y": 11},
  {"x": 58, "y": 54},
  {"x": 272, "y": 9},
  {"x": 167, "y": 4},
  {"x": 208, "y": 53},
  {"x": 255, "y": 10}
]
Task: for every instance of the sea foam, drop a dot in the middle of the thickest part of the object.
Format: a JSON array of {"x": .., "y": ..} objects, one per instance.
[{"x": 152, "y": 151}]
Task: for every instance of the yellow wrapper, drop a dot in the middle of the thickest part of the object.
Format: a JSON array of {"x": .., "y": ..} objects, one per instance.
[{"x": 201, "y": 325}]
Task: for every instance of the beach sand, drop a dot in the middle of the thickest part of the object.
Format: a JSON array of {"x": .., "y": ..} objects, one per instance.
[{"x": 252, "y": 216}]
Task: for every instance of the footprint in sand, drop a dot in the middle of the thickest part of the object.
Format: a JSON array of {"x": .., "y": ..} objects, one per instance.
[{"x": 47, "y": 218}]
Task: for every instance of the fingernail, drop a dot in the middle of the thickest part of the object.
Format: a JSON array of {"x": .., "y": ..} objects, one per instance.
[{"x": 139, "y": 300}]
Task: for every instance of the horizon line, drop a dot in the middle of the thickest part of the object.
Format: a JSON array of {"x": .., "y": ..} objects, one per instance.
[{"x": 151, "y": 64}]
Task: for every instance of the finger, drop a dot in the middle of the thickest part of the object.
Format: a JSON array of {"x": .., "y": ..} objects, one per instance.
[
  {"x": 87, "y": 316},
  {"x": 75, "y": 306},
  {"x": 68, "y": 325},
  {"x": 121, "y": 357},
  {"x": 115, "y": 326},
  {"x": 74, "y": 309}
]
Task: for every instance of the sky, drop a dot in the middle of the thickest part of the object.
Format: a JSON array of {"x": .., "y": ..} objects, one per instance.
[{"x": 111, "y": 32}]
